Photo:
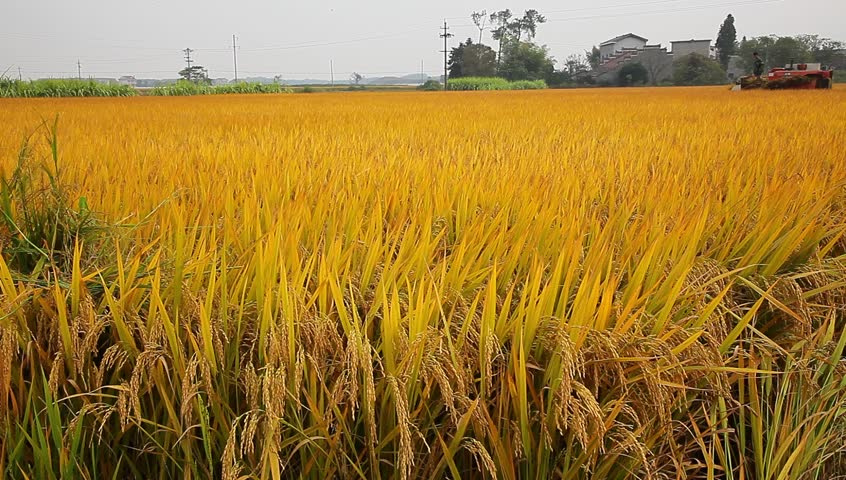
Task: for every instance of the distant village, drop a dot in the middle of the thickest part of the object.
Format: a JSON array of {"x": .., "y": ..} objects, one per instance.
[
  {"x": 614, "y": 55},
  {"x": 658, "y": 61}
]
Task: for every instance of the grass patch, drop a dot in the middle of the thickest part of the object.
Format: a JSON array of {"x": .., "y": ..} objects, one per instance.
[
  {"x": 185, "y": 89},
  {"x": 62, "y": 88},
  {"x": 494, "y": 83}
]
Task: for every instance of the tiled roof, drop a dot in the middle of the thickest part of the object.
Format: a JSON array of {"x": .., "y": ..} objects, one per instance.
[{"x": 617, "y": 39}]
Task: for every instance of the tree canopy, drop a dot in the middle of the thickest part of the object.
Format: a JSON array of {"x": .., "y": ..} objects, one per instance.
[
  {"x": 633, "y": 74},
  {"x": 510, "y": 29},
  {"x": 526, "y": 61},
  {"x": 470, "y": 59},
  {"x": 695, "y": 69},
  {"x": 727, "y": 41},
  {"x": 196, "y": 74},
  {"x": 780, "y": 51},
  {"x": 593, "y": 57}
]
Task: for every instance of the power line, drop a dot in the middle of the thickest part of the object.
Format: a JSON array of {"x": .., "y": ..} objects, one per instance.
[
  {"x": 304, "y": 45},
  {"x": 336, "y": 42},
  {"x": 605, "y": 7},
  {"x": 418, "y": 27},
  {"x": 660, "y": 12}
]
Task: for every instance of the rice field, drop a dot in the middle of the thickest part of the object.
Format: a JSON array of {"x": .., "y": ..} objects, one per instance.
[{"x": 609, "y": 284}]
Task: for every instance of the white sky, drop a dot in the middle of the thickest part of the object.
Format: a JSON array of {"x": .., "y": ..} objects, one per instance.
[{"x": 374, "y": 37}]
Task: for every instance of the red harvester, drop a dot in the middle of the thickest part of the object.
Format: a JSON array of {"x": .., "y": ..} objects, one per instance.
[{"x": 804, "y": 76}]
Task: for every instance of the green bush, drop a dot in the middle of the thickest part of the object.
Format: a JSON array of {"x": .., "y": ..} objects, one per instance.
[
  {"x": 479, "y": 83},
  {"x": 494, "y": 83},
  {"x": 42, "y": 224},
  {"x": 431, "y": 86},
  {"x": 184, "y": 88},
  {"x": 250, "y": 88},
  {"x": 695, "y": 69},
  {"x": 181, "y": 88},
  {"x": 528, "y": 85},
  {"x": 62, "y": 88},
  {"x": 633, "y": 74}
]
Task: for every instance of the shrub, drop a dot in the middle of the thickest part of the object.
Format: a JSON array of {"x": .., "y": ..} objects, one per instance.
[
  {"x": 185, "y": 88},
  {"x": 431, "y": 86},
  {"x": 479, "y": 83},
  {"x": 633, "y": 74},
  {"x": 42, "y": 227},
  {"x": 695, "y": 69},
  {"x": 528, "y": 85},
  {"x": 62, "y": 88},
  {"x": 494, "y": 83},
  {"x": 251, "y": 88},
  {"x": 180, "y": 89}
]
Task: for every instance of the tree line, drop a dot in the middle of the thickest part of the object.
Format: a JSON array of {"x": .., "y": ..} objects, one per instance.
[{"x": 514, "y": 55}]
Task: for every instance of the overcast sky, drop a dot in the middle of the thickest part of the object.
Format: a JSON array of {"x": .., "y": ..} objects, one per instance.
[{"x": 374, "y": 37}]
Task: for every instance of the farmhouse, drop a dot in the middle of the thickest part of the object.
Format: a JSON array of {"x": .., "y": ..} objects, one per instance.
[
  {"x": 630, "y": 48},
  {"x": 682, "y": 48},
  {"x": 612, "y": 47}
]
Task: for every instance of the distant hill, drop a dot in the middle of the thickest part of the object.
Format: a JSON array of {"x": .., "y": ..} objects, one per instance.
[{"x": 410, "y": 79}]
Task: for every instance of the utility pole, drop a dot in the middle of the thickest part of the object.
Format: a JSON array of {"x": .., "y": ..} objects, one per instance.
[
  {"x": 187, "y": 53},
  {"x": 332, "y": 72},
  {"x": 235, "y": 56},
  {"x": 79, "y": 69},
  {"x": 446, "y": 35}
]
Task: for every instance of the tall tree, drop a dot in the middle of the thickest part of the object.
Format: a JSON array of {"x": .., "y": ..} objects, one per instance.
[
  {"x": 470, "y": 59},
  {"x": 480, "y": 19},
  {"x": 780, "y": 51},
  {"x": 762, "y": 45},
  {"x": 576, "y": 65},
  {"x": 502, "y": 22},
  {"x": 196, "y": 74},
  {"x": 593, "y": 57},
  {"x": 526, "y": 61},
  {"x": 727, "y": 40},
  {"x": 528, "y": 24},
  {"x": 824, "y": 50},
  {"x": 695, "y": 69},
  {"x": 787, "y": 50}
]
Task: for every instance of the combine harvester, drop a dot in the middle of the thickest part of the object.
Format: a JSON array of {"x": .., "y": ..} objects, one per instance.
[{"x": 804, "y": 76}]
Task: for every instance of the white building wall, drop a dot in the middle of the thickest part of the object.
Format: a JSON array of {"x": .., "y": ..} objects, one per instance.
[
  {"x": 702, "y": 47},
  {"x": 606, "y": 51}
]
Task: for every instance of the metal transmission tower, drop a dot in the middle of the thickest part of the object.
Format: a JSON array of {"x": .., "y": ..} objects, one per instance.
[
  {"x": 446, "y": 35},
  {"x": 78, "y": 69}
]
